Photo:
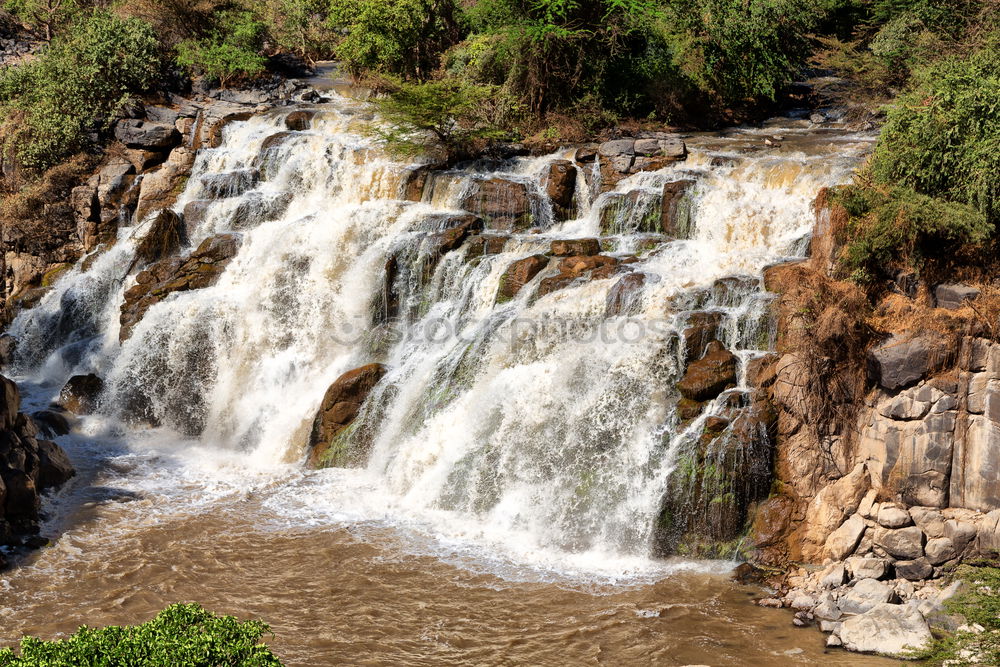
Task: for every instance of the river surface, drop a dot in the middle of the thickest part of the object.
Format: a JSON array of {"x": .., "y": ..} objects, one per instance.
[
  {"x": 142, "y": 527},
  {"x": 510, "y": 477}
]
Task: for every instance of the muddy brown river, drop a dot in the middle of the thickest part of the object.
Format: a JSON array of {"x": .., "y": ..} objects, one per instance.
[{"x": 137, "y": 531}]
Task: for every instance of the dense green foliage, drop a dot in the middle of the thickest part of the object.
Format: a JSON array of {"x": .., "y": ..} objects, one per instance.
[
  {"x": 81, "y": 81},
  {"x": 230, "y": 50},
  {"x": 933, "y": 181},
  {"x": 980, "y": 605},
  {"x": 942, "y": 138},
  {"x": 182, "y": 635}
]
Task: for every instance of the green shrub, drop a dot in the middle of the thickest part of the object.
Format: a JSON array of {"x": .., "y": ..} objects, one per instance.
[
  {"x": 402, "y": 37},
  {"x": 943, "y": 137},
  {"x": 450, "y": 111},
  {"x": 980, "y": 605},
  {"x": 44, "y": 17},
  {"x": 231, "y": 51},
  {"x": 83, "y": 79},
  {"x": 181, "y": 634},
  {"x": 895, "y": 227}
]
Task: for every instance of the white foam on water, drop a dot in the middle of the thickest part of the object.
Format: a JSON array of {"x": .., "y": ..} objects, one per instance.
[{"x": 535, "y": 440}]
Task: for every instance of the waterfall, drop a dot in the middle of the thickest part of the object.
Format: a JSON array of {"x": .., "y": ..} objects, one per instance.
[{"x": 549, "y": 421}]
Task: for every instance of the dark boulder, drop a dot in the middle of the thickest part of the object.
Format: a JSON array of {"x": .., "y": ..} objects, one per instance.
[
  {"x": 569, "y": 247},
  {"x": 174, "y": 274},
  {"x": 8, "y": 346},
  {"x": 709, "y": 376},
  {"x": 52, "y": 423},
  {"x": 341, "y": 405},
  {"x": 624, "y": 296},
  {"x": 80, "y": 394},
  {"x": 146, "y": 135},
  {"x": 165, "y": 237},
  {"x": 54, "y": 467},
  {"x": 701, "y": 329},
  {"x": 299, "y": 120},
  {"x": 229, "y": 184},
  {"x": 560, "y": 186},
  {"x": 675, "y": 211},
  {"x": 902, "y": 361}
]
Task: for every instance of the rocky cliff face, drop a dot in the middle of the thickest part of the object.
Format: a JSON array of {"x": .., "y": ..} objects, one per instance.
[
  {"x": 887, "y": 449},
  {"x": 29, "y": 466}
]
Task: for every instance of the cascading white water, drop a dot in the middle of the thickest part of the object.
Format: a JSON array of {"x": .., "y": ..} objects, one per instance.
[{"x": 535, "y": 425}]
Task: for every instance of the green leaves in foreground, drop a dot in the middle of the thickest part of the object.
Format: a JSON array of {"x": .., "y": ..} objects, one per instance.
[
  {"x": 182, "y": 635},
  {"x": 980, "y": 605}
]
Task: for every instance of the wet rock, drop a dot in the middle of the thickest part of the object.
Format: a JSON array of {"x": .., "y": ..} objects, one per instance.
[
  {"x": 147, "y": 135},
  {"x": 54, "y": 467},
  {"x": 229, "y": 184},
  {"x": 745, "y": 573},
  {"x": 52, "y": 423},
  {"x": 8, "y": 346},
  {"x": 625, "y": 295},
  {"x": 518, "y": 275},
  {"x": 299, "y": 121},
  {"x": 569, "y": 247},
  {"x": 886, "y": 629},
  {"x": 560, "y": 185},
  {"x": 483, "y": 244},
  {"x": 630, "y": 212},
  {"x": 913, "y": 570},
  {"x": 503, "y": 204},
  {"x": 80, "y": 394},
  {"x": 709, "y": 376},
  {"x": 340, "y": 406},
  {"x": 906, "y": 543},
  {"x": 194, "y": 214},
  {"x": 586, "y": 153},
  {"x": 578, "y": 264},
  {"x": 902, "y": 361},
  {"x": 954, "y": 296},
  {"x": 174, "y": 274},
  {"x": 160, "y": 188},
  {"x": 675, "y": 211},
  {"x": 617, "y": 148},
  {"x": 164, "y": 238},
  {"x": 256, "y": 209},
  {"x": 701, "y": 330}
]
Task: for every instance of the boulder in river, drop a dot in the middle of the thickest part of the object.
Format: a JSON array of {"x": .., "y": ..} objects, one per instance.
[
  {"x": 502, "y": 203},
  {"x": 341, "y": 405},
  {"x": 518, "y": 275},
  {"x": 80, "y": 393},
  {"x": 560, "y": 186},
  {"x": 886, "y": 629}
]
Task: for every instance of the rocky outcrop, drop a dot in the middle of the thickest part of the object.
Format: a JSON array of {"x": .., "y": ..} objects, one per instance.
[
  {"x": 175, "y": 274},
  {"x": 649, "y": 151},
  {"x": 519, "y": 274},
  {"x": 29, "y": 466},
  {"x": 503, "y": 204},
  {"x": 709, "y": 376},
  {"x": 560, "y": 186},
  {"x": 341, "y": 405}
]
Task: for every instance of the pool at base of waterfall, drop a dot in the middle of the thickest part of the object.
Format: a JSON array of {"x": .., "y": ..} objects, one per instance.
[{"x": 346, "y": 575}]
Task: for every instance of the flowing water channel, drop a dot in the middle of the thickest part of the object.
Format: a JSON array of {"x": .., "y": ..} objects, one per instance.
[{"x": 509, "y": 470}]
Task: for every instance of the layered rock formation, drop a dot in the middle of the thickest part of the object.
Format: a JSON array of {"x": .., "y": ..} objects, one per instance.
[{"x": 29, "y": 466}]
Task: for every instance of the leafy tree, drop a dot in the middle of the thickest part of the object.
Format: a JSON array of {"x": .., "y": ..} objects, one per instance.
[
  {"x": 299, "y": 26},
  {"x": 82, "y": 80},
  {"x": 231, "y": 51},
  {"x": 181, "y": 634},
  {"x": 452, "y": 112},
  {"x": 402, "y": 37}
]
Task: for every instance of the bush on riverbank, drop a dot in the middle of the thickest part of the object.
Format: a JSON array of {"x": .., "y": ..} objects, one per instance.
[
  {"x": 78, "y": 85},
  {"x": 933, "y": 182},
  {"x": 181, "y": 634}
]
